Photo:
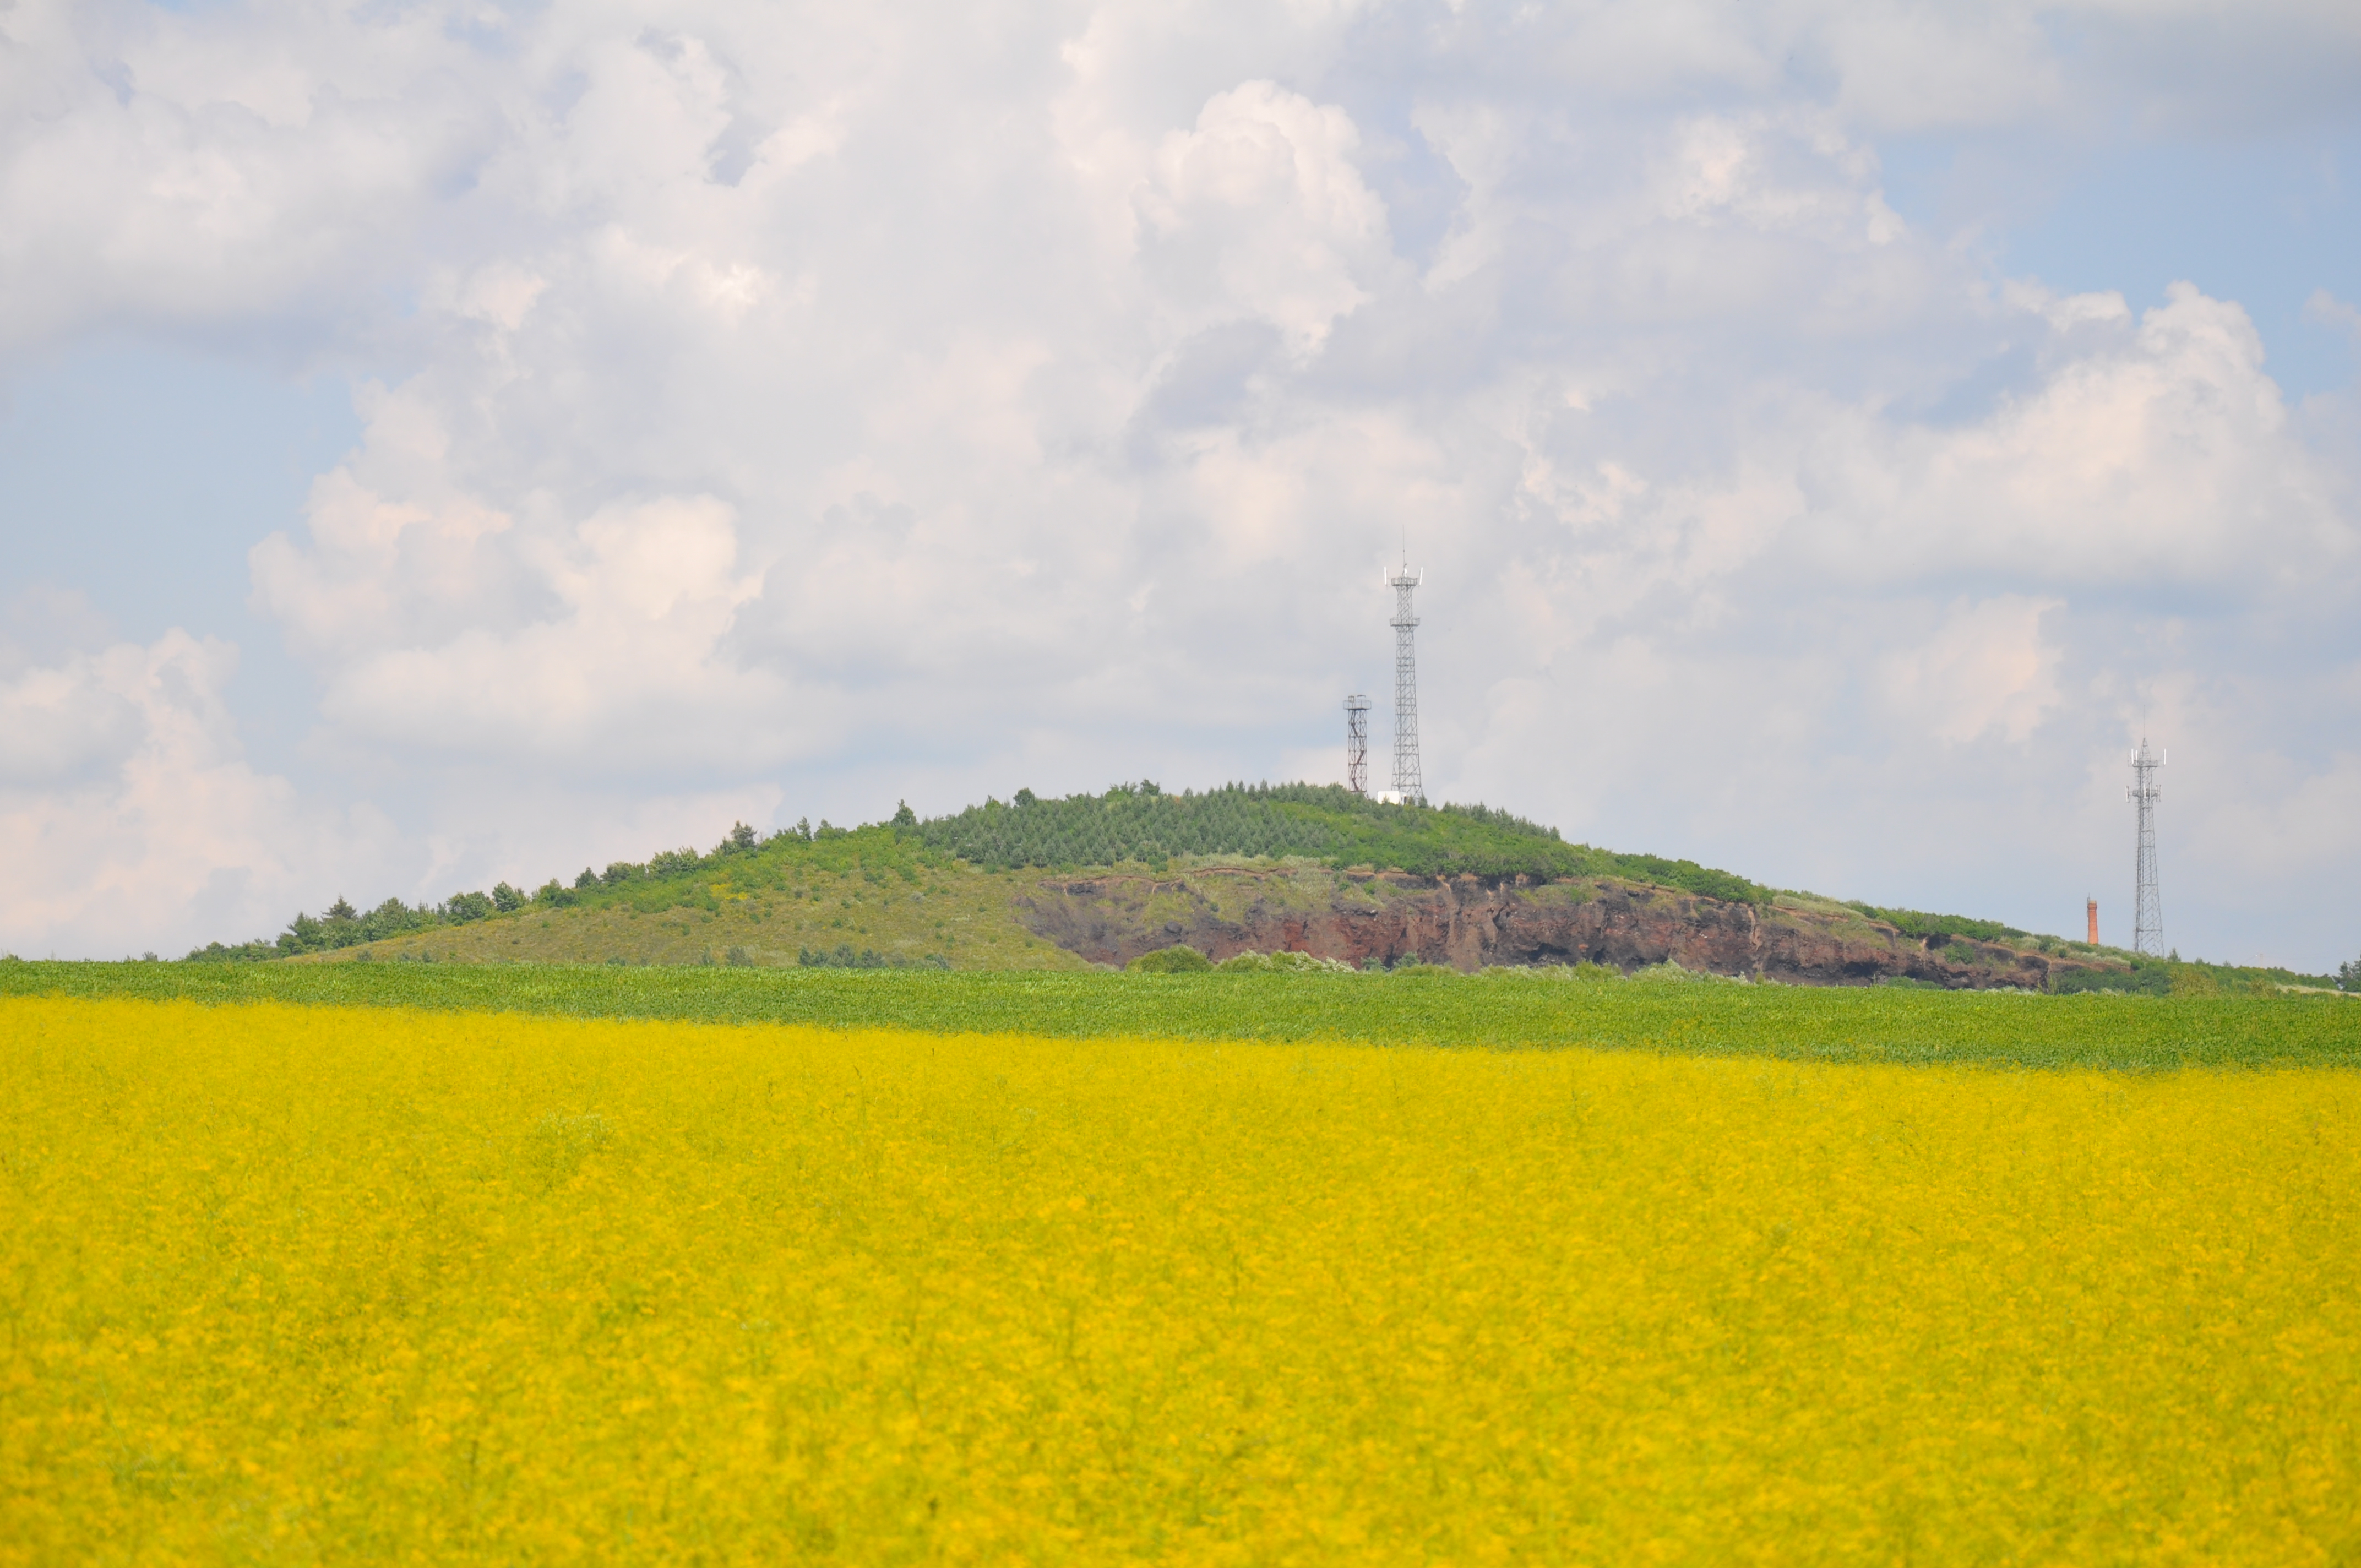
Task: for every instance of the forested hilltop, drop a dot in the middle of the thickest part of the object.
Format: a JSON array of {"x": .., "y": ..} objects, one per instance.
[
  {"x": 1136, "y": 823},
  {"x": 957, "y": 891},
  {"x": 1324, "y": 822}
]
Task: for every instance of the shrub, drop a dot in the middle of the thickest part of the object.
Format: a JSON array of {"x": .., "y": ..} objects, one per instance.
[
  {"x": 1938, "y": 930},
  {"x": 1178, "y": 958},
  {"x": 1669, "y": 972},
  {"x": 843, "y": 956},
  {"x": 2142, "y": 980},
  {"x": 243, "y": 953},
  {"x": 2188, "y": 980},
  {"x": 1276, "y": 963}
]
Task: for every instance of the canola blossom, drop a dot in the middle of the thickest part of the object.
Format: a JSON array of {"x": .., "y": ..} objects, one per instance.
[{"x": 303, "y": 1284}]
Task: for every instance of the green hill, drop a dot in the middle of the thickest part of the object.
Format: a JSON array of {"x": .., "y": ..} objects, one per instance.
[
  {"x": 960, "y": 890},
  {"x": 911, "y": 891}
]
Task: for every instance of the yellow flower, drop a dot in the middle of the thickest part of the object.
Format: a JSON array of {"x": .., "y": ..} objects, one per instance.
[{"x": 315, "y": 1282}]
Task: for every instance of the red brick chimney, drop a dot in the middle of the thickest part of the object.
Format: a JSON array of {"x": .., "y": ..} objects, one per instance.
[{"x": 2094, "y": 922}]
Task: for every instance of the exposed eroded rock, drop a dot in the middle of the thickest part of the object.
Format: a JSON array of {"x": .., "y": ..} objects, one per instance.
[{"x": 1386, "y": 917}]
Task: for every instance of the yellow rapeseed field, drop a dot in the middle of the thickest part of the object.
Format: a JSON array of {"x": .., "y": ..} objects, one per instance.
[{"x": 296, "y": 1285}]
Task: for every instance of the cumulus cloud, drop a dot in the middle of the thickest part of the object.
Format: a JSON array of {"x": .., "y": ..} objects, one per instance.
[
  {"x": 182, "y": 170},
  {"x": 1985, "y": 670},
  {"x": 645, "y": 595},
  {"x": 401, "y": 553},
  {"x": 1258, "y": 212},
  {"x": 795, "y": 410},
  {"x": 131, "y": 818},
  {"x": 2155, "y": 451}
]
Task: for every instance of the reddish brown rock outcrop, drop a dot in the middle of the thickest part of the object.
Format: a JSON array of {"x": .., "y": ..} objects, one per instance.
[{"x": 1468, "y": 922}]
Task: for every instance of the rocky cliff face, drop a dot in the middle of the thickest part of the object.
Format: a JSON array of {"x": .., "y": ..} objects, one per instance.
[{"x": 1469, "y": 922}]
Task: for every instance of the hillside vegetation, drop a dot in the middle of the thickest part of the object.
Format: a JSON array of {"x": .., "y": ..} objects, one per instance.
[
  {"x": 914, "y": 892},
  {"x": 837, "y": 888},
  {"x": 1324, "y": 822}
]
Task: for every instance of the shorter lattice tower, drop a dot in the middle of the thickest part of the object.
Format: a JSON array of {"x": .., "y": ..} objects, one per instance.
[
  {"x": 1410, "y": 787},
  {"x": 1356, "y": 744},
  {"x": 2147, "y": 908}
]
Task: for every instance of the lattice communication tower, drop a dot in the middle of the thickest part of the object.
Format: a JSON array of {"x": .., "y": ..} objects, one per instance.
[
  {"x": 1356, "y": 744},
  {"x": 1409, "y": 785},
  {"x": 2147, "y": 911}
]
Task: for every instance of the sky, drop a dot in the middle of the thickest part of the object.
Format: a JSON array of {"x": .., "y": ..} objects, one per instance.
[{"x": 442, "y": 443}]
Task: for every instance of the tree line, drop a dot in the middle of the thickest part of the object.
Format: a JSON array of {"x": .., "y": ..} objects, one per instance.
[
  {"x": 1325, "y": 822},
  {"x": 342, "y": 925}
]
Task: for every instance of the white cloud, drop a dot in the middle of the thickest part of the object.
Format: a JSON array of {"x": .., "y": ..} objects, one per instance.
[
  {"x": 2330, "y": 311},
  {"x": 129, "y": 817},
  {"x": 184, "y": 171},
  {"x": 2155, "y": 452},
  {"x": 1915, "y": 67},
  {"x": 1985, "y": 669},
  {"x": 60, "y": 723},
  {"x": 1257, "y": 211},
  {"x": 628, "y": 652},
  {"x": 401, "y": 552},
  {"x": 776, "y": 408}
]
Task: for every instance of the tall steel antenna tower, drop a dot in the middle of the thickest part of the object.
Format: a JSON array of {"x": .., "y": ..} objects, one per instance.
[
  {"x": 2147, "y": 910},
  {"x": 1356, "y": 744},
  {"x": 1408, "y": 783}
]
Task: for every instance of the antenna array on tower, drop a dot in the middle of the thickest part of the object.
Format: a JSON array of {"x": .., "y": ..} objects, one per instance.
[
  {"x": 1409, "y": 787},
  {"x": 1356, "y": 744},
  {"x": 2147, "y": 906}
]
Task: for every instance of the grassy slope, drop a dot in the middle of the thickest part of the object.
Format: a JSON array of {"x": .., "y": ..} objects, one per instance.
[
  {"x": 963, "y": 913},
  {"x": 942, "y": 891},
  {"x": 1503, "y": 1010},
  {"x": 954, "y": 911}
]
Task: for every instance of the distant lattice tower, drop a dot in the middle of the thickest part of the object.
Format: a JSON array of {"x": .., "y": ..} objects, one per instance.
[
  {"x": 1409, "y": 785},
  {"x": 1356, "y": 744},
  {"x": 2148, "y": 910}
]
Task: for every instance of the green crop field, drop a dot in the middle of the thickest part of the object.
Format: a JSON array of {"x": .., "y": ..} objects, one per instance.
[{"x": 1663, "y": 1012}]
